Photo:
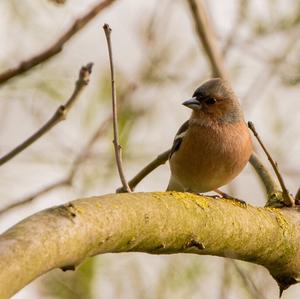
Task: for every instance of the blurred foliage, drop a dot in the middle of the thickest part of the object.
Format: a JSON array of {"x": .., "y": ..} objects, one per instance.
[
  {"x": 49, "y": 87},
  {"x": 97, "y": 102},
  {"x": 59, "y": 2},
  {"x": 157, "y": 47},
  {"x": 180, "y": 278},
  {"x": 76, "y": 284},
  {"x": 22, "y": 14},
  {"x": 290, "y": 75},
  {"x": 277, "y": 21}
]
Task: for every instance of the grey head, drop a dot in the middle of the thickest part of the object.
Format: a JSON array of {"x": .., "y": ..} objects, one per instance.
[{"x": 216, "y": 99}]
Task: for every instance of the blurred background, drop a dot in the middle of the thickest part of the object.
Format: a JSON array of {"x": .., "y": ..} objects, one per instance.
[{"x": 158, "y": 62}]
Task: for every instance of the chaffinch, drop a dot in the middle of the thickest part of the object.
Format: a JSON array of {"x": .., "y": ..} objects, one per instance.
[{"x": 214, "y": 145}]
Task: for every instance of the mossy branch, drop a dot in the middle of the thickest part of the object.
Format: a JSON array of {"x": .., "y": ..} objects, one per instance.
[{"x": 63, "y": 236}]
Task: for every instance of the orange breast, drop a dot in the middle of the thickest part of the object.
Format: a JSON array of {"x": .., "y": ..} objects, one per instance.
[{"x": 210, "y": 157}]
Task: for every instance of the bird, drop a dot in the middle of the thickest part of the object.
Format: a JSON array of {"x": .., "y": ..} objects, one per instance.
[{"x": 214, "y": 145}]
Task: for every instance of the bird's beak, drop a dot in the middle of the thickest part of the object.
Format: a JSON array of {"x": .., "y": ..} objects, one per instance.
[{"x": 193, "y": 103}]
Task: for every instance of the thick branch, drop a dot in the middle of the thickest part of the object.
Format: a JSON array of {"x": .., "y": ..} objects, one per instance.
[
  {"x": 59, "y": 115},
  {"x": 57, "y": 47},
  {"x": 64, "y": 236}
]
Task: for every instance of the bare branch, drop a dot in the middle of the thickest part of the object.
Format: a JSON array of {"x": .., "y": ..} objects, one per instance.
[
  {"x": 273, "y": 191},
  {"x": 159, "y": 160},
  {"x": 57, "y": 47},
  {"x": 117, "y": 146},
  {"x": 59, "y": 115},
  {"x": 287, "y": 198}
]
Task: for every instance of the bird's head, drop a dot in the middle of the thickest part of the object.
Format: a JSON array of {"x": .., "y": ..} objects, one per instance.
[{"x": 216, "y": 100}]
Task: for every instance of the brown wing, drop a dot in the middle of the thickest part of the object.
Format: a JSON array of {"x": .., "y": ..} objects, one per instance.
[{"x": 179, "y": 137}]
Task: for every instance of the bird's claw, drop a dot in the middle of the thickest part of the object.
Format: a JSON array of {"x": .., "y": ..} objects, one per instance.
[{"x": 222, "y": 194}]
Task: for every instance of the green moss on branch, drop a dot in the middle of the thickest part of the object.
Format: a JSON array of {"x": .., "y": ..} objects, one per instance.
[{"x": 166, "y": 222}]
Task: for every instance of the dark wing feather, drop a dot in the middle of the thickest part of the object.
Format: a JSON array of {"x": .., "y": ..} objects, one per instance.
[{"x": 178, "y": 138}]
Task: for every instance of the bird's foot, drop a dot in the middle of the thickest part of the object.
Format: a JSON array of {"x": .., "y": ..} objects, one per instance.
[{"x": 222, "y": 194}]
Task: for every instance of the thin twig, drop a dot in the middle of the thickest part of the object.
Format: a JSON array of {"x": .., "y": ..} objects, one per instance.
[
  {"x": 272, "y": 188},
  {"x": 59, "y": 115},
  {"x": 57, "y": 46},
  {"x": 287, "y": 198},
  {"x": 117, "y": 146},
  {"x": 159, "y": 160},
  {"x": 206, "y": 38}
]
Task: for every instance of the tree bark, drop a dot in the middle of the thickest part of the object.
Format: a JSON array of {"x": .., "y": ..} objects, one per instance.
[{"x": 156, "y": 223}]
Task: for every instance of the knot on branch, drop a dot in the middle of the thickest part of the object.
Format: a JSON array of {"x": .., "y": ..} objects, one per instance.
[
  {"x": 284, "y": 282},
  {"x": 275, "y": 200},
  {"x": 68, "y": 268},
  {"x": 194, "y": 243},
  {"x": 84, "y": 74},
  {"x": 69, "y": 211}
]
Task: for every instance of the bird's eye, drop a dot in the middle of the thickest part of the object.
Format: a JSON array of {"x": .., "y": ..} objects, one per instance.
[{"x": 210, "y": 101}]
